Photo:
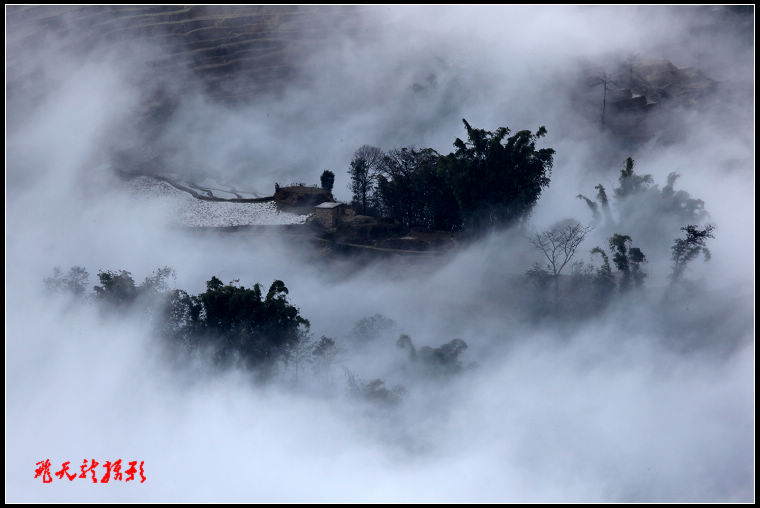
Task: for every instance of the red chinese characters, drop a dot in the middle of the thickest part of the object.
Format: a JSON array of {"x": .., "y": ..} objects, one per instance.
[
  {"x": 132, "y": 470},
  {"x": 115, "y": 467},
  {"x": 112, "y": 471},
  {"x": 86, "y": 470},
  {"x": 43, "y": 470},
  {"x": 64, "y": 471}
]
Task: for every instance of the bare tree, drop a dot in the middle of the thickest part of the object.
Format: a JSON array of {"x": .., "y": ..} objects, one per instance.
[
  {"x": 363, "y": 171},
  {"x": 558, "y": 245},
  {"x": 374, "y": 157}
]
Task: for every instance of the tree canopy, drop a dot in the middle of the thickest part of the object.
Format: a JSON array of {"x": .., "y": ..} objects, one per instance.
[
  {"x": 413, "y": 189},
  {"x": 327, "y": 180},
  {"x": 686, "y": 249},
  {"x": 489, "y": 180},
  {"x": 497, "y": 182},
  {"x": 363, "y": 173},
  {"x": 238, "y": 320}
]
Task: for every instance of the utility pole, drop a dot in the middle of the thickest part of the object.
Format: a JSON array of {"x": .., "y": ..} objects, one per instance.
[{"x": 604, "y": 98}]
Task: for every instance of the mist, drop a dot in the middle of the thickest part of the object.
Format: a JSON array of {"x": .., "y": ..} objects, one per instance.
[{"x": 649, "y": 399}]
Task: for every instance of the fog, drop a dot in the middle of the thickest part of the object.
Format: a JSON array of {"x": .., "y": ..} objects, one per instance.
[{"x": 649, "y": 399}]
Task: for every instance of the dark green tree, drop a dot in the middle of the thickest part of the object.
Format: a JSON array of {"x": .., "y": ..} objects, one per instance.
[
  {"x": 397, "y": 187},
  {"x": 437, "y": 207},
  {"x": 601, "y": 201},
  {"x": 413, "y": 189},
  {"x": 116, "y": 288},
  {"x": 260, "y": 329},
  {"x": 327, "y": 180},
  {"x": 686, "y": 249},
  {"x": 238, "y": 321},
  {"x": 630, "y": 182},
  {"x": 628, "y": 261},
  {"x": 361, "y": 183},
  {"x": 182, "y": 318},
  {"x": 497, "y": 182}
]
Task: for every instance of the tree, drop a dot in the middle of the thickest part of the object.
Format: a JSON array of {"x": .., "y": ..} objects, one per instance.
[
  {"x": 444, "y": 359},
  {"x": 373, "y": 327},
  {"x": 558, "y": 245},
  {"x": 299, "y": 353},
  {"x": 238, "y": 322},
  {"x": 361, "y": 183},
  {"x": 374, "y": 157},
  {"x": 593, "y": 206},
  {"x": 363, "y": 171},
  {"x": 375, "y": 390},
  {"x": 413, "y": 189},
  {"x": 601, "y": 200},
  {"x": 644, "y": 210},
  {"x": 489, "y": 180},
  {"x": 637, "y": 193},
  {"x": 405, "y": 342},
  {"x": 157, "y": 282},
  {"x": 75, "y": 282},
  {"x": 324, "y": 355},
  {"x": 630, "y": 182},
  {"x": 117, "y": 288},
  {"x": 539, "y": 276},
  {"x": 397, "y": 187},
  {"x": 628, "y": 261},
  {"x": 327, "y": 180},
  {"x": 497, "y": 182},
  {"x": 241, "y": 322},
  {"x": 684, "y": 250},
  {"x": 679, "y": 203},
  {"x": 604, "y": 280},
  {"x": 181, "y": 318}
]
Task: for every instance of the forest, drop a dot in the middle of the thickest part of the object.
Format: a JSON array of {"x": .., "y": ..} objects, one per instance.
[{"x": 485, "y": 184}]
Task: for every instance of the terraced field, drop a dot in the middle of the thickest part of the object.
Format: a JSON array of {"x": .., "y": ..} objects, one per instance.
[
  {"x": 182, "y": 209},
  {"x": 253, "y": 46}
]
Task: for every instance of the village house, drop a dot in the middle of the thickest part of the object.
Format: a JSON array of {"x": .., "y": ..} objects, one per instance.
[{"x": 329, "y": 213}]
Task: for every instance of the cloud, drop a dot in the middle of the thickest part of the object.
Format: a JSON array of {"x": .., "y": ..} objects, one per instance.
[{"x": 652, "y": 399}]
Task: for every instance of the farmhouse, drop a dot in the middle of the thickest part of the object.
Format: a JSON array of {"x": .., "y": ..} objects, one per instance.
[{"x": 328, "y": 214}]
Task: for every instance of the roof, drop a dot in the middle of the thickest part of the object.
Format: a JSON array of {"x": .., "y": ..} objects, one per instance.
[{"x": 329, "y": 204}]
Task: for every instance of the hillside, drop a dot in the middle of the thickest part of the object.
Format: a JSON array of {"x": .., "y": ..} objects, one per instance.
[{"x": 236, "y": 50}]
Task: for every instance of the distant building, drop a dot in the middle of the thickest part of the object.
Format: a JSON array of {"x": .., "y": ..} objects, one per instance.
[{"x": 328, "y": 214}]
